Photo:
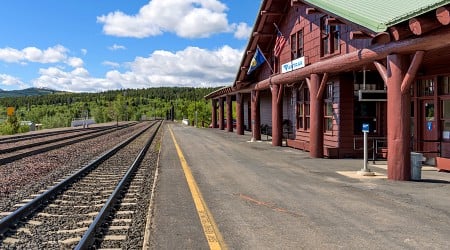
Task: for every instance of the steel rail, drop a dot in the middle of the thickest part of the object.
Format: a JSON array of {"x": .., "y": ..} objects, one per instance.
[
  {"x": 56, "y": 146},
  {"x": 10, "y": 220},
  {"x": 35, "y": 144},
  {"x": 23, "y": 137},
  {"x": 88, "y": 238}
]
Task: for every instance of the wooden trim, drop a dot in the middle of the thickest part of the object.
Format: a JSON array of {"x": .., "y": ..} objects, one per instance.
[{"x": 412, "y": 71}]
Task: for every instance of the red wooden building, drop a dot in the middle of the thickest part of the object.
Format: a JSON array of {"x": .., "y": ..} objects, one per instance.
[{"x": 343, "y": 64}]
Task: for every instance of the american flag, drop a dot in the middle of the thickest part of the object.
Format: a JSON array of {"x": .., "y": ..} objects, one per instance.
[{"x": 279, "y": 42}]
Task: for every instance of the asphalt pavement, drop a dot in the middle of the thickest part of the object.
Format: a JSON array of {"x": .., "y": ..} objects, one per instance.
[{"x": 265, "y": 197}]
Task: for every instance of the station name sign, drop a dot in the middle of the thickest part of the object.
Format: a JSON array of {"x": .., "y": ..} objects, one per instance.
[{"x": 293, "y": 65}]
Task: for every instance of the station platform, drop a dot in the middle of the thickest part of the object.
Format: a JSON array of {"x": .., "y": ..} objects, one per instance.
[{"x": 264, "y": 197}]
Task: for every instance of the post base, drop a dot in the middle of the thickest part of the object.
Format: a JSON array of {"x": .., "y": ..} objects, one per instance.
[{"x": 365, "y": 172}]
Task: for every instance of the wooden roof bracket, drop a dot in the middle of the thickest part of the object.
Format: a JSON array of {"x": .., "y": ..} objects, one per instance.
[
  {"x": 280, "y": 90},
  {"x": 382, "y": 71},
  {"x": 412, "y": 71},
  {"x": 323, "y": 83}
]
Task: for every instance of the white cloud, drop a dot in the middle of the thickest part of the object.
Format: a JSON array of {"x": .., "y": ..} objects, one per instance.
[
  {"x": 53, "y": 54},
  {"x": 116, "y": 47},
  {"x": 10, "y": 80},
  {"x": 84, "y": 51},
  {"x": 75, "y": 62},
  {"x": 192, "y": 66},
  {"x": 242, "y": 31},
  {"x": 111, "y": 64},
  {"x": 186, "y": 18},
  {"x": 77, "y": 80}
]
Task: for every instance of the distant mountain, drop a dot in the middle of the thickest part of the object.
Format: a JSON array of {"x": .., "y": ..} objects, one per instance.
[{"x": 28, "y": 92}]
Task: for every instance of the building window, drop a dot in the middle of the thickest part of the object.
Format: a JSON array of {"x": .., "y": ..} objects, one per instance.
[
  {"x": 365, "y": 112},
  {"x": 328, "y": 109},
  {"x": 444, "y": 85},
  {"x": 445, "y": 119},
  {"x": 330, "y": 37},
  {"x": 426, "y": 87},
  {"x": 303, "y": 112},
  {"x": 297, "y": 45}
]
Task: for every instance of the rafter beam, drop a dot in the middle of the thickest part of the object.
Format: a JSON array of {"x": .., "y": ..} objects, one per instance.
[
  {"x": 332, "y": 21},
  {"x": 421, "y": 25},
  {"x": 400, "y": 32},
  {"x": 295, "y": 3},
  {"x": 259, "y": 34},
  {"x": 357, "y": 34},
  {"x": 312, "y": 11},
  {"x": 443, "y": 15},
  {"x": 270, "y": 13},
  {"x": 381, "y": 38}
]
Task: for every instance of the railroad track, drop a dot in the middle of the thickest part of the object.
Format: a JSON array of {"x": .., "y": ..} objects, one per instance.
[
  {"x": 78, "y": 211},
  {"x": 26, "y": 137},
  {"x": 11, "y": 152}
]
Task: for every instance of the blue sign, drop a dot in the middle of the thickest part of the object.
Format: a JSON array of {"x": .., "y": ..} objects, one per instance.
[
  {"x": 365, "y": 127},
  {"x": 430, "y": 126}
]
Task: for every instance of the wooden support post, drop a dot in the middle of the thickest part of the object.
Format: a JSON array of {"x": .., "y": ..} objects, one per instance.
[
  {"x": 214, "y": 113},
  {"x": 399, "y": 109},
  {"x": 239, "y": 114},
  {"x": 221, "y": 114},
  {"x": 316, "y": 116},
  {"x": 255, "y": 116},
  {"x": 277, "y": 116},
  {"x": 229, "y": 114},
  {"x": 443, "y": 15}
]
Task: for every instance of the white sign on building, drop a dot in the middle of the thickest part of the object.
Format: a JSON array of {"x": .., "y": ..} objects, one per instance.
[{"x": 293, "y": 65}]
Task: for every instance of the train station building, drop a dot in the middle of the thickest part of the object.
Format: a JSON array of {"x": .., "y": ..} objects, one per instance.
[{"x": 315, "y": 71}]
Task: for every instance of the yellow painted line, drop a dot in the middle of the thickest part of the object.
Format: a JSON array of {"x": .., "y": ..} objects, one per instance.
[{"x": 213, "y": 236}]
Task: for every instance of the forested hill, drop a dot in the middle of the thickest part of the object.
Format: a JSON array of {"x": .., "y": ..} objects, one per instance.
[
  {"x": 35, "y": 96},
  {"x": 28, "y": 92}
]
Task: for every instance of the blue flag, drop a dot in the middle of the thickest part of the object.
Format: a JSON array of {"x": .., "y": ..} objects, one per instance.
[{"x": 257, "y": 60}]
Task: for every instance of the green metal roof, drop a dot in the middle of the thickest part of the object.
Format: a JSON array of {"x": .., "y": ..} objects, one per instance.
[{"x": 377, "y": 15}]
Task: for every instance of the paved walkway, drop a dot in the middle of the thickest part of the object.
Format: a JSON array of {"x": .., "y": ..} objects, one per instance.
[{"x": 264, "y": 197}]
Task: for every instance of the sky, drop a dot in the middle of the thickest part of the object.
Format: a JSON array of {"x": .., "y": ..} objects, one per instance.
[{"x": 100, "y": 45}]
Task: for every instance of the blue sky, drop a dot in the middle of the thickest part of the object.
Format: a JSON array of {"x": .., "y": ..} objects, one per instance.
[{"x": 98, "y": 45}]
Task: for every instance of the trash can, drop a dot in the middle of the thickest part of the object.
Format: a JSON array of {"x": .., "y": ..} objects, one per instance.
[{"x": 416, "y": 166}]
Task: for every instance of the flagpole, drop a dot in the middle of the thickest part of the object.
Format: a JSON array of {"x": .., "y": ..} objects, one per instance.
[{"x": 270, "y": 66}]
